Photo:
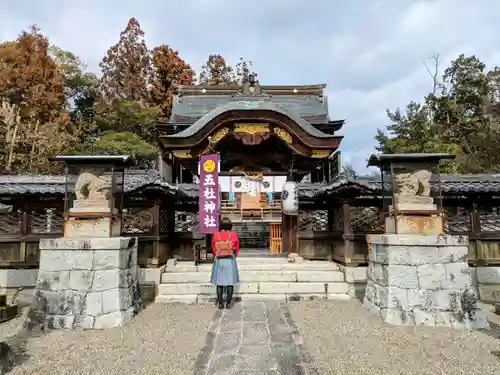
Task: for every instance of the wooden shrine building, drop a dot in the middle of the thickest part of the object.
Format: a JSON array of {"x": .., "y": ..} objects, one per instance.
[{"x": 264, "y": 136}]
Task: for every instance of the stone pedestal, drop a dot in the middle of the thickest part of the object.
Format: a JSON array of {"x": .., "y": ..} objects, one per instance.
[
  {"x": 414, "y": 203},
  {"x": 414, "y": 215},
  {"x": 82, "y": 227},
  {"x": 414, "y": 224},
  {"x": 422, "y": 280},
  {"x": 92, "y": 205},
  {"x": 92, "y": 228},
  {"x": 86, "y": 283}
]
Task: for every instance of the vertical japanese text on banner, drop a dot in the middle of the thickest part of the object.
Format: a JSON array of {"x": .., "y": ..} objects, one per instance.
[{"x": 209, "y": 193}]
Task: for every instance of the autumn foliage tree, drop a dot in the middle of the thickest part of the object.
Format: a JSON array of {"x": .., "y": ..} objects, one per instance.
[
  {"x": 33, "y": 121},
  {"x": 126, "y": 68},
  {"x": 29, "y": 77},
  {"x": 50, "y": 104},
  {"x": 168, "y": 69}
]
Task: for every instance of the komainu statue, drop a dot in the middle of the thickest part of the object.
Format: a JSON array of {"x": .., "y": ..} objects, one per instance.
[
  {"x": 91, "y": 185},
  {"x": 413, "y": 183}
]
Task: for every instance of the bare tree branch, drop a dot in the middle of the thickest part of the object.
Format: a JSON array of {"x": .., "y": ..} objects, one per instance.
[{"x": 434, "y": 73}]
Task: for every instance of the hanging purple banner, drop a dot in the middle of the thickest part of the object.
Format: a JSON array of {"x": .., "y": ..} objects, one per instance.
[{"x": 209, "y": 194}]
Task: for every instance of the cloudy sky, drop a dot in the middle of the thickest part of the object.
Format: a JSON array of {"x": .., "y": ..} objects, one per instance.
[{"x": 369, "y": 52}]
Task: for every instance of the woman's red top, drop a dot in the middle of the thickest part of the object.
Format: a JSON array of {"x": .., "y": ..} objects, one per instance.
[{"x": 225, "y": 236}]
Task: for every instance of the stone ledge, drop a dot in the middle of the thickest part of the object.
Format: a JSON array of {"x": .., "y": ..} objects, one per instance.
[
  {"x": 355, "y": 274},
  {"x": 417, "y": 240},
  {"x": 111, "y": 243},
  {"x": 16, "y": 278},
  {"x": 489, "y": 292},
  {"x": 417, "y": 255},
  {"x": 488, "y": 275}
]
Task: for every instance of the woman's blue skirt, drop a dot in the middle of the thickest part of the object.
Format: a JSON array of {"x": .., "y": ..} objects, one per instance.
[{"x": 225, "y": 271}]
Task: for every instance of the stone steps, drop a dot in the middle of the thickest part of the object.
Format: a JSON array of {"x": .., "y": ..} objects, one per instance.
[
  {"x": 276, "y": 297},
  {"x": 247, "y": 266},
  {"x": 262, "y": 279},
  {"x": 259, "y": 276}
]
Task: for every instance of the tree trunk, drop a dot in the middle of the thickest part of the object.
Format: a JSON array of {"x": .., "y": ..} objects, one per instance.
[{"x": 11, "y": 119}]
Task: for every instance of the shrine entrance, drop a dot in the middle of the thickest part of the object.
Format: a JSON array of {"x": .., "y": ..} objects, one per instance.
[
  {"x": 253, "y": 203},
  {"x": 264, "y": 136}
]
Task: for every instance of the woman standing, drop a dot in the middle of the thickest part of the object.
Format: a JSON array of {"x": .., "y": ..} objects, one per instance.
[{"x": 225, "y": 246}]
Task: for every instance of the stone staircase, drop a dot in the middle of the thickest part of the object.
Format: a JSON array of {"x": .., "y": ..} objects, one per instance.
[{"x": 262, "y": 279}]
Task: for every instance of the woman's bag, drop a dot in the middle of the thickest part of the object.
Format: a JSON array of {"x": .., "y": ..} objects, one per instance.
[{"x": 223, "y": 248}]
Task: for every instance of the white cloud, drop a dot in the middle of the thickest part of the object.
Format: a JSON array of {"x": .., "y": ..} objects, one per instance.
[{"x": 369, "y": 52}]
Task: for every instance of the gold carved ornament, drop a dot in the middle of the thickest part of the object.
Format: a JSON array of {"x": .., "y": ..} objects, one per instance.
[
  {"x": 283, "y": 134},
  {"x": 218, "y": 135},
  {"x": 320, "y": 154},
  {"x": 251, "y": 128},
  {"x": 214, "y": 139}
]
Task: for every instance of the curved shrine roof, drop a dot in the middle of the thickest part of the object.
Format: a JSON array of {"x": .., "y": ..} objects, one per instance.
[
  {"x": 305, "y": 104},
  {"x": 250, "y": 105}
]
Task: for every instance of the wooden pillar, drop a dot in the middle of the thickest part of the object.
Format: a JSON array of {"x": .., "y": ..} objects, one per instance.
[
  {"x": 290, "y": 226},
  {"x": 155, "y": 260},
  {"x": 170, "y": 208},
  {"x": 25, "y": 230},
  {"x": 476, "y": 230},
  {"x": 331, "y": 220},
  {"x": 348, "y": 234}
]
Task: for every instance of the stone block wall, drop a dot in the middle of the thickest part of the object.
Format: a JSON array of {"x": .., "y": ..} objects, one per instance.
[
  {"x": 421, "y": 280},
  {"x": 355, "y": 278},
  {"x": 488, "y": 283},
  {"x": 19, "y": 284},
  {"x": 88, "y": 283}
]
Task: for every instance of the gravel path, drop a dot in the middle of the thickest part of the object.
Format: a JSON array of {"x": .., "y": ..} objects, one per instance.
[
  {"x": 343, "y": 338},
  {"x": 258, "y": 338},
  {"x": 253, "y": 338},
  {"x": 163, "y": 339}
]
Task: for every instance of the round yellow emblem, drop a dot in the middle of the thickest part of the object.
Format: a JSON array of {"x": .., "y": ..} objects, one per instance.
[{"x": 209, "y": 166}]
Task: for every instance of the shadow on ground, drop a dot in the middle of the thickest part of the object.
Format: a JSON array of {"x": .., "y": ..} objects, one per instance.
[
  {"x": 495, "y": 333},
  {"x": 12, "y": 353},
  {"x": 359, "y": 294}
]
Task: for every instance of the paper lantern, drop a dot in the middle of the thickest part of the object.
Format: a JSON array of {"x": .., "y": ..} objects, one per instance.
[{"x": 290, "y": 198}]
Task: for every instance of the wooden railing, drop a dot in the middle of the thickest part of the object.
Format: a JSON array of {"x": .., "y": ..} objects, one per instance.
[
  {"x": 21, "y": 232},
  {"x": 480, "y": 222},
  {"x": 252, "y": 210},
  {"x": 334, "y": 229}
]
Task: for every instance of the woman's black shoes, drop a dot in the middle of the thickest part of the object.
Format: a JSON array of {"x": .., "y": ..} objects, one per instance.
[
  {"x": 220, "y": 296},
  {"x": 230, "y": 290}
]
